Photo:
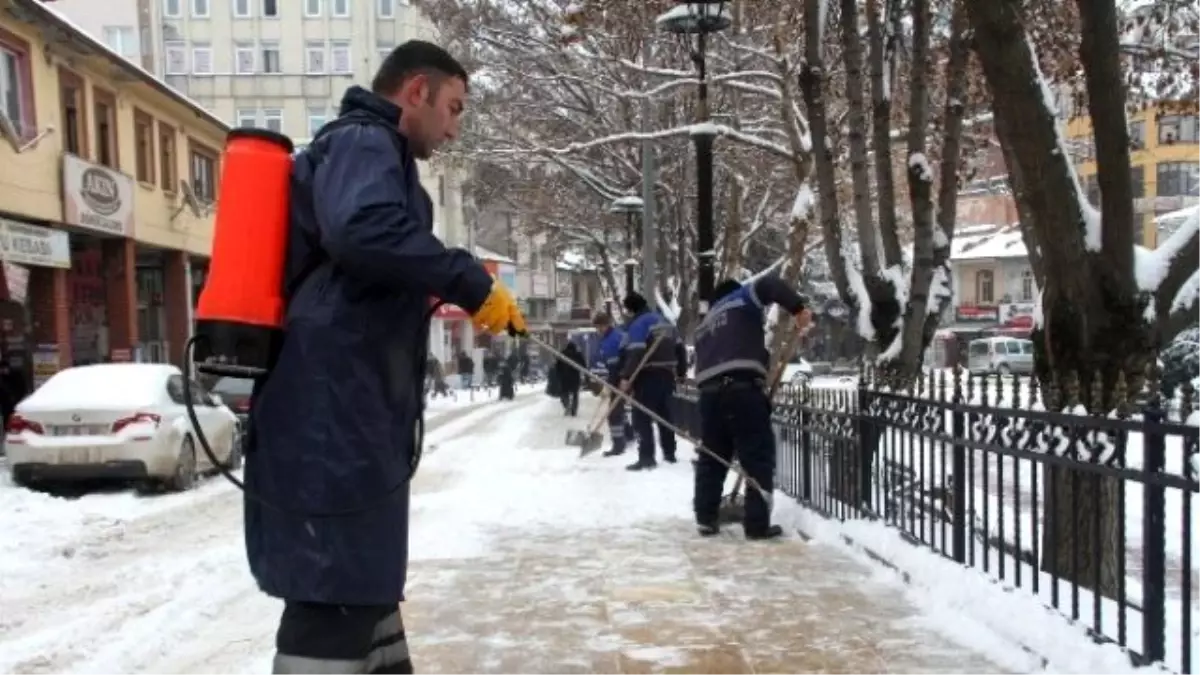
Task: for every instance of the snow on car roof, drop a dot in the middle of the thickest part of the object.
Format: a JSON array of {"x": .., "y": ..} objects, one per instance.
[{"x": 104, "y": 385}]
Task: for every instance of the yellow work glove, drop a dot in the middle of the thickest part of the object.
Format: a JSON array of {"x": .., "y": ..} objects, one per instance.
[{"x": 499, "y": 312}]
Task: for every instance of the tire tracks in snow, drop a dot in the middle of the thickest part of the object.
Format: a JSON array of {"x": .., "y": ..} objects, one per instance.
[{"x": 168, "y": 591}]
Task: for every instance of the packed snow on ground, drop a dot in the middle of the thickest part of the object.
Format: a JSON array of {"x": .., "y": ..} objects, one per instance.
[{"x": 116, "y": 583}]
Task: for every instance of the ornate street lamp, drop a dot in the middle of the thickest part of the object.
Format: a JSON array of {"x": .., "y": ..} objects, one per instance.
[
  {"x": 699, "y": 19},
  {"x": 630, "y": 206}
]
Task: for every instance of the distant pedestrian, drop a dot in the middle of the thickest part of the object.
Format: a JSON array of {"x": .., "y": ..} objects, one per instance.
[
  {"x": 466, "y": 370},
  {"x": 735, "y": 413},
  {"x": 569, "y": 379}
]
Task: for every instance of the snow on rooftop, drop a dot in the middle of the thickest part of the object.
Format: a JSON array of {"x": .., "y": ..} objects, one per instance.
[
  {"x": 987, "y": 242},
  {"x": 57, "y": 16}
]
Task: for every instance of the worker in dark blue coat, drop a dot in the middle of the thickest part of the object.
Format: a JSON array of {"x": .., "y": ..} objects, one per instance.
[
  {"x": 336, "y": 421},
  {"x": 654, "y": 385},
  {"x": 735, "y": 412},
  {"x": 608, "y": 354}
]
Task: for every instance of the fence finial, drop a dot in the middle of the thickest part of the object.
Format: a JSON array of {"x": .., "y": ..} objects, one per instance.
[
  {"x": 1121, "y": 395},
  {"x": 1187, "y": 403},
  {"x": 1072, "y": 390},
  {"x": 1096, "y": 402}
]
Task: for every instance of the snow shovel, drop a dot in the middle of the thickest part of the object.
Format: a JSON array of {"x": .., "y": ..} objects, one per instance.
[
  {"x": 733, "y": 505},
  {"x": 591, "y": 439}
]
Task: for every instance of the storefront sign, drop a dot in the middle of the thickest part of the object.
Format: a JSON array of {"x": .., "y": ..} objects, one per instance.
[
  {"x": 97, "y": 197},
  {"x": 16, "y": 279},
  {"x": 1016, "y": 310},
  {"x": 33, "y": 245},
  {"x": 45, "y": 363},
  {"x": 976, "y": 314}
]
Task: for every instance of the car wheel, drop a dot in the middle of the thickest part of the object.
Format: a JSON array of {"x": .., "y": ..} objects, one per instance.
[{"x": 185, "y": 468}]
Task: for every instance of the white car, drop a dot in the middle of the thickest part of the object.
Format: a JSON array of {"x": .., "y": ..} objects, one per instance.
[
  {"x": 123, "y": 421},
  {"x": 798, "y": 372}
]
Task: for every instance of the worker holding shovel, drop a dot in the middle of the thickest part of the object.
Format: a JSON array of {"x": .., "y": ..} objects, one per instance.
[
  {"x": 735, "y": 411},
  {"x": 609, "y": 355}
]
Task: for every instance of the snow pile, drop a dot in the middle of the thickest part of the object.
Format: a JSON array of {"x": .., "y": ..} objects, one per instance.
[{"x": 986, "y": 615}]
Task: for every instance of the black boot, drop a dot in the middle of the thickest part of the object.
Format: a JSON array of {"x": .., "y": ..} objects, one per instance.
[
  {"x": 708, "y": 528},
  {"x": 641, "y": 466},
  {"x": 772, "y": 532},
  {"x": 669, "y": 459},
  {"x": 618, "y": 448}
]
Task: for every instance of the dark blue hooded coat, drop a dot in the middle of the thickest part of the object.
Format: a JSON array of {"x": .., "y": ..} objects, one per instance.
[{"x": 334, "y": 424}]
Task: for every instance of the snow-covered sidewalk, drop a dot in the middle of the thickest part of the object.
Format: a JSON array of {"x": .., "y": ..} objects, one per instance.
[{"x": 525, "y": 559}]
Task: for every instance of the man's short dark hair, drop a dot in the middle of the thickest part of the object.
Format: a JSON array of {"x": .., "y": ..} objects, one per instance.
[
  {"x": 416, "y": 57},
  {"x": 724, "y": 288}
]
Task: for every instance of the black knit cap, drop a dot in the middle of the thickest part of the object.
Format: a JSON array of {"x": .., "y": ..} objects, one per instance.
[{"x": 635, "y": 303}]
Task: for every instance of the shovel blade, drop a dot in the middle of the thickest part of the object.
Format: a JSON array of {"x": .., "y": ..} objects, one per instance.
[
  {"x": 591, "y": 443},
  {"x": 732, "y": 509}
]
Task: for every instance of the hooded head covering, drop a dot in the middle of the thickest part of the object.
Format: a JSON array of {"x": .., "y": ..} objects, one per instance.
[{"x": 634, "y": 303}]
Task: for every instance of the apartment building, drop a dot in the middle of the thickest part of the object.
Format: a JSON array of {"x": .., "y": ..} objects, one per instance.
[
  {"x": 277, "y": 64},
  {"x": 109, "y": 181}
]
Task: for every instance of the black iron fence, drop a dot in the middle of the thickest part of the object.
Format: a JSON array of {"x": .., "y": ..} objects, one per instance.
[{"x": 1091, "y": 513}]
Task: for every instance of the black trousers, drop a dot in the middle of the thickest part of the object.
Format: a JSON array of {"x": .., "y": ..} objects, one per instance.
[
  {"x": 570, "y": 399},
  {"x": 318, "y": 638},
  {"x": 735, "y": 422},
  {"x": 654, "y": 388}
]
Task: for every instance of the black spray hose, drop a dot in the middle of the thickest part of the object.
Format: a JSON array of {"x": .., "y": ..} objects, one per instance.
[{"x": 198, "y": 430}]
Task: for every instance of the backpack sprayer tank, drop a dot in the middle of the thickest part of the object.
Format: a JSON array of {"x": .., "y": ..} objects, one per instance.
[{"x": 239, "y": 318}]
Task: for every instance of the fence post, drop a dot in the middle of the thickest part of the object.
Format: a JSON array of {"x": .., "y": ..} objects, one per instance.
[
  {"x": 1154, "y": 542},
  {"x": 866, "y": 444},
  {"x": 958, "y": 476},
  {"x": 806, "y": 466}
]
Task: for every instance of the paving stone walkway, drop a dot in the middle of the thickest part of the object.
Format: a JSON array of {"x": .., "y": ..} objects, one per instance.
[{"x": 650, "y": 596}]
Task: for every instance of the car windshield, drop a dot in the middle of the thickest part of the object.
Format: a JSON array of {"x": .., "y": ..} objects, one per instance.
[{"x": 234, "y": 386}]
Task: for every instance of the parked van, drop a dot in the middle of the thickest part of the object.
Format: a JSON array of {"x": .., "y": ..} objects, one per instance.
[{"x": 1000, "y": 355}]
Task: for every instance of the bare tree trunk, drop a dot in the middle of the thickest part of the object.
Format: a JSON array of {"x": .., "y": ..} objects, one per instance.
[
  {"x": 857, "y": 121},
  {"x": 881, "y": 126},
  {"x": 1092, "y": 328}
]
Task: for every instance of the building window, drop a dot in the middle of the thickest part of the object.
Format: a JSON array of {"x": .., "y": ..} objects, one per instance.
[
  {"x": 312, "y": 8},
  {"x": 1177, "y": 179},
  {"x": 316, "y": 119},
  {"x": 168, "y": 171},
  {"x": 176, "y": 58},
  {"x": 143, "y": 131},
  {"x": 15, "y": 89},
  {"x": 340, "y": 54},
  {"x": 74, "y": 120},
  {"x": 1137, "y": 135},
  {"x": 204, "y": 173},
  {"x": 171, "y": 8},
  {"x": 202, "y": 60},
  {"x": 104, "y": 110},
  {"x": 341, "y": 8},
  {"x": 1177, "y": 129},
  {"x": 314, "y": 58},
  {"x": 270, "y": 58},
  {"x": 241, "y": 8},
  {"x": 273, "y": 119},
  {"x": 386, "y": 8},
  {"x": 200, "y": 9},
  {"x": 1137, "y": 180},
  {"x": 985, "y": 287},
  {"x": 122, "y": 40},
  {"x": 243, "y": 59},
  {"x": 247, "y": 118},
  {"x": 270, "y": 8},
  {"x": 1027, "y": 286},
  {"x": 383, "y": 53}
]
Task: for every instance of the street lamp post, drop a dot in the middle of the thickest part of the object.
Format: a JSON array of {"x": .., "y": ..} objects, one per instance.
[
  {"x": 700, "y": 18},
  {"x": 630, "y": 206}
]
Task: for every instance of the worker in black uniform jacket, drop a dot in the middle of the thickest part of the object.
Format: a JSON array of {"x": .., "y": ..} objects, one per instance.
[{"x": 735, "y": 413}]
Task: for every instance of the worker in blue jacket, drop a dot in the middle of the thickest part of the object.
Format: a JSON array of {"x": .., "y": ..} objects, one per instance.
[
  {"x": 608, "y": 354},
  {"x": 735, "y": 412},
  {"x": 335, "y": 423},
  {"x": 654, "y": 386}
]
